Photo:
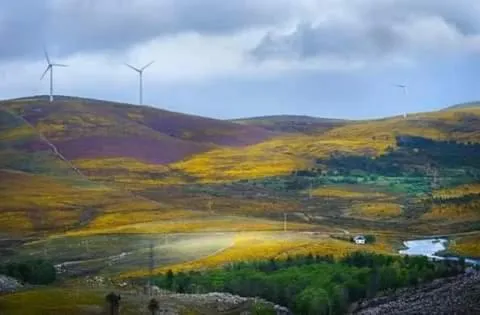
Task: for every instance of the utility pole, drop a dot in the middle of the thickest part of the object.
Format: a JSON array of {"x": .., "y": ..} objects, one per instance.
[
  {"x": 285, "y": 222},
  {"x": 151, "y": 266},
  {"x": 210, "y": 204},
  {"x": 310, "y": 190}
]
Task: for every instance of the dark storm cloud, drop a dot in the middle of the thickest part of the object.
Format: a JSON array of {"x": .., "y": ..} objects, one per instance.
[
  {"x": 69, "y": 26},
  {"x": 372, "y": 29}
]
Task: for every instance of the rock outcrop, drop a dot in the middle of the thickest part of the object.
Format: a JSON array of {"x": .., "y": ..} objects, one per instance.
[
  {"x": 8, "y": 284},
  {"x": 456, "y": 295}
]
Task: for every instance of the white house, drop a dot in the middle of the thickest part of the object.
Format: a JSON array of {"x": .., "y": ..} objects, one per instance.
[{"x": 359, "y": 239}]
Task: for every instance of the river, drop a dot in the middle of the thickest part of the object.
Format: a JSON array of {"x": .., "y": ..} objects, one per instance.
[{"x": 430, "y": 248}]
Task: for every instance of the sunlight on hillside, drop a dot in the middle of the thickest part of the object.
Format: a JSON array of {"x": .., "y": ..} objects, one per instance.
[
  {"x": 239, "y": 163},
  {"x": 197, "y": 222},
  {"x": 285, "y": 154},
  {"x": 257, "y": 246}
]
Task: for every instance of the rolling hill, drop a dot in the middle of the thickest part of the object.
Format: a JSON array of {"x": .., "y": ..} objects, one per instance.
[
  {"x": 293, "y": 123},
  {"x": 129, "y": 165}
]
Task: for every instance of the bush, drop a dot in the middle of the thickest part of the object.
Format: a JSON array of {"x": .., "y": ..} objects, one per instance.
[
  {"x": 33, "y": 272},
  {"x": 369, "y": 238}
]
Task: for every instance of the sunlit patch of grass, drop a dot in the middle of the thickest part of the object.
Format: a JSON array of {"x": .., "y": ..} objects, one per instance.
[
  {"x": 129, "y": 164},
  {"x": 468, "y": 246},
  {"x": 258, "y": 246},
  {"x": 238, "y": 163},
  {"x": 377, "y": 209},
  {"x": 52, "y": 301}
]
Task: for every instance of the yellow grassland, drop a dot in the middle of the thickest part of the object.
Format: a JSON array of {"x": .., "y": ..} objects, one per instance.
[
  {"x": 222, "y": 204},
  {"x": 458, "y": 191},
  {"x": 454, "y": 212},
  {"x": 346, "y": 191},
  {"x": 258, "y": 246},
  {"x": 52, "y": 301},
  {"x": 468, "y": 246},
  {"x": 284, "y": 154},
  {"x": 377, "y": 210},
  {"x": 128, "y": 173},
  {"x": 56, "y": 202},
  {"x": 238, "y": 163},
  {"x": 198, "y": 222},
  {"x": 22, "y": 131},
  {"x": 12, "y": 222}
]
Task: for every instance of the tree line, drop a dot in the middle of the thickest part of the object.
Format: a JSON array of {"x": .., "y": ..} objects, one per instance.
[
  {"x": 33, "y": 272},
  {"x": 313, "y": 285}
]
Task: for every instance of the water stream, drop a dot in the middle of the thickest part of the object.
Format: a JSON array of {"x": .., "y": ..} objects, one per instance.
[{"x": 430, "y": 248}]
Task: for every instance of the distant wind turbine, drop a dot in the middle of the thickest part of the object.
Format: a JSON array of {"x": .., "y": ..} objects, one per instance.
[
  {"x": 405, "y": 92},
  {"x": 50, "y": 66},
  {"x": 403, "y": 87},
  {"x": 140, "y": 72}
]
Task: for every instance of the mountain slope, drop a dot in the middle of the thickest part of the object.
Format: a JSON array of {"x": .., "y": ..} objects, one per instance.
[
  {"x": 290, "y": 152},
  {"x": 191, "y": 166},
  {"x": 292, "y": 123},
  {"x": 83, "y": 128}
]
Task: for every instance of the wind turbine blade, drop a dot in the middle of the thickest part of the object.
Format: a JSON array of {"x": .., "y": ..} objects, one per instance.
[
  {"x": 46, "y": 56},
  {"x": 46, "y": 70},
  {"x": 132, "y": 67},
  {"x": 59, "y": 65},
  {"x": 147, "y": 65}
]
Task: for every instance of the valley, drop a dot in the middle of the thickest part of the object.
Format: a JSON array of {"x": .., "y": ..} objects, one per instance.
[{"x": 91, "y": 185}]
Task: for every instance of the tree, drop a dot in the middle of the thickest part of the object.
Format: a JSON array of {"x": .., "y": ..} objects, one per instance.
[
  {"x": 153, "y": 306},
  {"x": 169, "y": 279},
  {"x": 113, "y": 301}
]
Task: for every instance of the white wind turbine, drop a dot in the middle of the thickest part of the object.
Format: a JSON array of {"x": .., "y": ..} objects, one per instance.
[
  {"x": 140, "y": 72},
  {"x": 405, "y": 92},
  {"x": 50, "y": 66}
]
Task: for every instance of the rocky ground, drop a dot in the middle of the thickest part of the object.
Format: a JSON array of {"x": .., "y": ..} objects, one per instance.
[
  {"x": 8, "y": 284},
  {"x": 456, "y": 295}
]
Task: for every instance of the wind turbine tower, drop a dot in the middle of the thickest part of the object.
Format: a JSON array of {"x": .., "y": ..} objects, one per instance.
[
  {"x": 140, "y": 72},
  {"x": 405, "y": 92},
  {"x": 50, "y": 66}
]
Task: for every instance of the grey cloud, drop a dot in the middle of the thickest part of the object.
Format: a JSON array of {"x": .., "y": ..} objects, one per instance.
[
  {"x": 372, "y": 29},
  {"x": 69, "y": 26}
]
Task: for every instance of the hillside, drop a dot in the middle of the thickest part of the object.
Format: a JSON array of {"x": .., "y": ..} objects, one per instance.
[
  {"x": 90, "y": 185},
  {"x": 463, "y": 106},
  {"x": 387, "y": 174},
  {"x": 293, "y": 123}
]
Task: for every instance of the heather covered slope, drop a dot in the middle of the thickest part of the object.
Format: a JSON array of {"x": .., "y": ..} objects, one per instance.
[
  {"x": 363, "y": 138},
  {"x": 409, "y": 162},
  {"x": 40, "y": 190},
  {"x": 293, "y": 123},
  {"x": 388, "y": 173},
  {"x": 85, "y": 129}
]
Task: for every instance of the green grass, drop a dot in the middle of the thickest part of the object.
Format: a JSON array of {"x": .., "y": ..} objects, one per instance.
[{"x": 51, "y": 301}]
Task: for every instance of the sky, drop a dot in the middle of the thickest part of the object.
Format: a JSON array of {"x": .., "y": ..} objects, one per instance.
[{"x": 241, "y": 58}]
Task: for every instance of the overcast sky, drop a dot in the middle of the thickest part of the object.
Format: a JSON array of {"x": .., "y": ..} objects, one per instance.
[{"x": 238, "y": 58}]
